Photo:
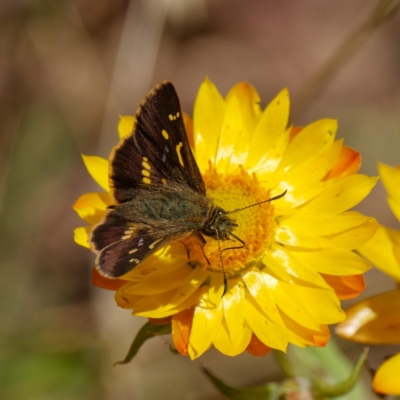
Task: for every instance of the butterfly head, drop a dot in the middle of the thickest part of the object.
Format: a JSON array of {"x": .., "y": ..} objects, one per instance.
[{"x": 219, "y": 225}]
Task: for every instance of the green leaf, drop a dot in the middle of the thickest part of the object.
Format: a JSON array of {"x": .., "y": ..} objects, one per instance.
[
  {"x": 270, "y": 391},
  {"x": 146, "y": 332}
]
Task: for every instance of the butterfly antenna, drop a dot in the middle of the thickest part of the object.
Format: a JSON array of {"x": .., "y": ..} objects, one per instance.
[
  {"x": 223, "y": 269},
  {"x": 256, "y": 204}
]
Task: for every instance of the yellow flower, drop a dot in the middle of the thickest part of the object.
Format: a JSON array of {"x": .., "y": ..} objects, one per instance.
[
  {"x": 376, "y": 320},
  {"x": 284, "y": 286}
]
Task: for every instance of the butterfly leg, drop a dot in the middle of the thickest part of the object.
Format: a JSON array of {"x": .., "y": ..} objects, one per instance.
[
  {"x": 196, "y": 239},
  {"x": 203, "y": 243}
]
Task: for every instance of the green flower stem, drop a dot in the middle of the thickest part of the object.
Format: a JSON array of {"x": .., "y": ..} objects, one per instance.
[
  {"x": 329, "y": 363},
  {"x": 284, "y": 362},
  {"x": 348, "y": 384}
]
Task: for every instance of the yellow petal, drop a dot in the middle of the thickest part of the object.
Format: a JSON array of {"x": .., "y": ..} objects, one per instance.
[
  {"x": 386, "y": 379},
  {"x": 282, "y": 262},
  {"x": 209, "y": 110},
  {"x": 250, "y": 109},
  {"x": 193, "y": 281},
  {"x": 81, "y": 236},
  {"x": 222, "y": 340},
  {"x": 322, "y": 305},
  {"x": 151, "y": 265},
  {"x": 231, "y": 130},
  {"x": 311, "y": 140},
  {"x": 158, "y": 305},
  {"x": 380, "y": 252},
  {"x": 394, "y": 205},
  {"x": 250, "y": 113},
  {"x": 302, "y": 336},
  {"x": 271, "y": 334},
  {"x": 290, "y": 237},
  {"x": 267, "y": 138},
  {"x": 335, "y": 261},
  {"x": 341, "y": 195},
  {"x": 289, "y": 204},
  {"x": 162, "y": 280},
  {"x": 98, "y": 169},
  {"x": 92, "y": 206},
  {"x": 355, "y": 237},
  {"x": 189, "y": 302},
  {"x": 157, "y": 308},
  {"x": 391, "y": 180},
  {"x": 323, "y": 224},
  {"x": 234, "y": 312},
  {"x": 375, "y": 320},
  {"x": 207, "y": 318},
  {"x": 295, "y": 309},
  {"x": 314, "y": 169},
  {"x": 259, "y": 287},
  {"x": 125, "y": 125},
  {"x": 123, "y": 300}
]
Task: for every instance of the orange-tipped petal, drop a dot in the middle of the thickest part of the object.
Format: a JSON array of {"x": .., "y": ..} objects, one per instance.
[
  {"x": 310, "y": 141},
  {"x": 257, "y": 348},
  {"x": 346, "y": 287},
  {"x": 106, "y": 283},
  {"x": 181, "y": 327},
  {"x": 294, "y": 132},
  {"x": 303, "y": 337},
  {"x": 348, "y": 164}
]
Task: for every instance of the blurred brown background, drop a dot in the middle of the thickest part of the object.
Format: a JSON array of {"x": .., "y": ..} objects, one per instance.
[{"x": 68, "y": 68}]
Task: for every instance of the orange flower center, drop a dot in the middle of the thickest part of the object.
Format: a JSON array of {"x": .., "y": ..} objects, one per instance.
[{"x": 256, "y": 225}]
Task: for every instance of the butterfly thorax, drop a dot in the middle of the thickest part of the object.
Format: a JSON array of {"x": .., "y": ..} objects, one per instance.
[
  {"x": 184, "y": 208},
  {"x": 218, "y": 225}
]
